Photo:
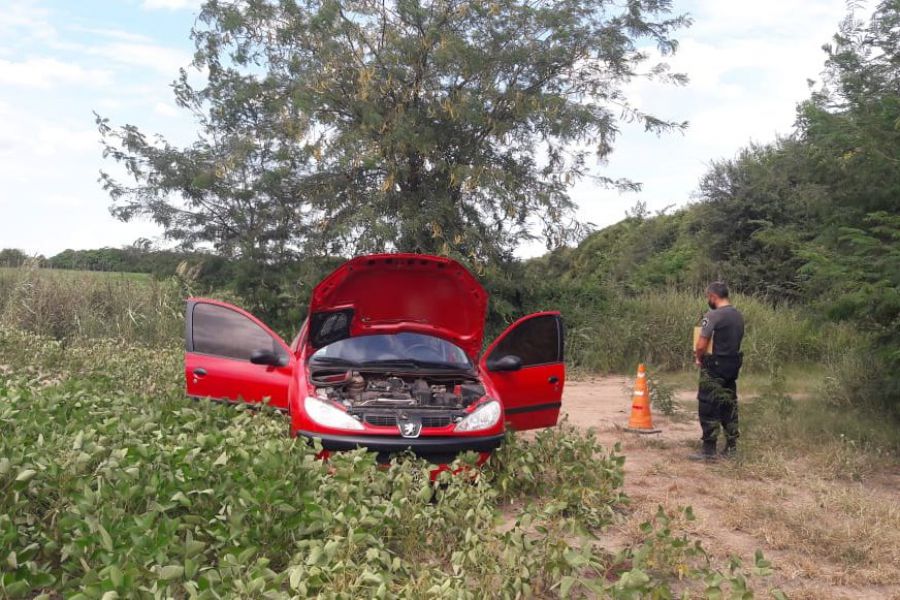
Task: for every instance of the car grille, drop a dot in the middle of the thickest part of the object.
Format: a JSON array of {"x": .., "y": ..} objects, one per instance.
[
  {"x": 381, "y": 420},
  {"x": 391, "y": 421},
  {"x": 435, "y": 421}
]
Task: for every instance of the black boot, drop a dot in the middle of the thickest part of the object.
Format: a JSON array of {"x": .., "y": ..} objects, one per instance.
[
  {"x": 708, "y": 452},
  {"x": 730, "y": 449}
]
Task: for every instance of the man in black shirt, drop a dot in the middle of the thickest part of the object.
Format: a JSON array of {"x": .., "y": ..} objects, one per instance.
[{"x": 723, "y": 325}]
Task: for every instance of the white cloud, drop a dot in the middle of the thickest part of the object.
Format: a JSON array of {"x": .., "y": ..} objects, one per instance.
[
  {"x": 116, "y": 34},
  {"x": 110, "y": 103},
  {"x": 764, "y": 18},
  {"x": 162, "y": 59},
  {"x": 27, "y": 20},
  {"x": 50, "y": 199},
  {"x": 50, "y": 152},
  {"x": 171, "y": 4},
  {"x": 48, "y": 72},
  {"x": 26, "y": 141},
  {"x": 65, "y": 201},
  {"x": 166, "y": 109}
]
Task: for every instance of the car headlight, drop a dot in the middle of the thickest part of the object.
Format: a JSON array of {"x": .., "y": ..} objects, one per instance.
[
  {"x": 484, "y": 417},
  {"x": 325, "y": 414}
]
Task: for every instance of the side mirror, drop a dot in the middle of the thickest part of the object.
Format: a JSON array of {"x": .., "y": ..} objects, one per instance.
[
  {"x": 510, "y": 362},
  {"x": 265, "y": 357}
]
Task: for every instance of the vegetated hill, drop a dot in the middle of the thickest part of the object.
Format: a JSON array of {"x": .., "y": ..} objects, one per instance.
[
  {"x": 640, "y": 253},
  {"x": 787, "y": 223}
]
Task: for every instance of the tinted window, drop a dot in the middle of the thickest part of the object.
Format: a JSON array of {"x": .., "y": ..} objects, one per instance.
[
  {"x": 221, "y": 331},
  {"x": 537, "y": 341}
]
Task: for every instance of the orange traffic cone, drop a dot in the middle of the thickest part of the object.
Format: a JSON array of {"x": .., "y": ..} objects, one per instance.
[{"x": 640, "y": 421}]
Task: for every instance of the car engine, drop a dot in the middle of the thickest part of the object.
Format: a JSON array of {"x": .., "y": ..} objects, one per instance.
[
  {"x": 382, "y": 399},
  {"x": 355, "y": 389}
]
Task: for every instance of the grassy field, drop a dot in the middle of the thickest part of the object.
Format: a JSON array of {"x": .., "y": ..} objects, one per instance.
[
  {"x": 818, "y": 483},
  {"x": 112, "y": 484},
  {"x": 803, "y": 379},
  {"x": 655, "y": 328},
  {"x": 67, "y": 305},
  {"x": 8, "y": 272},
  {"x": 602, "y": 336}
]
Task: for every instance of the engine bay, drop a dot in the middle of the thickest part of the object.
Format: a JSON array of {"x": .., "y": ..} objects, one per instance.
[{"x": 379, "y": 390}]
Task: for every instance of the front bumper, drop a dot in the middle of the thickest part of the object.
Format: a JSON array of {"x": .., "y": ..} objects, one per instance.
[{"x": 430, "y": 448}]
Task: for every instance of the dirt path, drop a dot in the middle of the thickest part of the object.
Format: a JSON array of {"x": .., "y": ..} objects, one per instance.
[{"x": 658, "y": 472}]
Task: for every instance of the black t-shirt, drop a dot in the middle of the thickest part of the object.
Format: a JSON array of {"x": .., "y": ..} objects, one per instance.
[{"x": 726, "y": 326}]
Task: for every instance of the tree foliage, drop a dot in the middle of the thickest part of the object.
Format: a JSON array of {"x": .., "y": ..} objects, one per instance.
[
  {"x": 12, "y": 257},
  {"x": 340, "y": 126}
]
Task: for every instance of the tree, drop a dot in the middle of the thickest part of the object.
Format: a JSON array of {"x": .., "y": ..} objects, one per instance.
[
  {"x": 12, "y": 257},
  {"x": 851, "y": 124},
  {"x": 851, "y": 127},
  {"x": 757, "y": 212},
  {"x": 337, "y": 126},
  {"x": 813, "y": 217}
]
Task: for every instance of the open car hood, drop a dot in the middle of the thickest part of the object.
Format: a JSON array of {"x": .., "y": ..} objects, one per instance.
[{"x": 390, "y": 293}]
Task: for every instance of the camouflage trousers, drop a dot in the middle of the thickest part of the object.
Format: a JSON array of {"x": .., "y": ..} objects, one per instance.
[{"x": 717, "y": 397}]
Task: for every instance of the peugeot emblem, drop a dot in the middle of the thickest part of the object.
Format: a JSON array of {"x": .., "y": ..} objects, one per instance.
[{"x": 410, "y": 429}]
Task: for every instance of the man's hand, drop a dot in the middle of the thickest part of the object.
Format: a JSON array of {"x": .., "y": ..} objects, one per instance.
[{"x": 700, "y": 350}]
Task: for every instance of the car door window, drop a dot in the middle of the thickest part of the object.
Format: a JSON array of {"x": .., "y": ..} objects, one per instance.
[
  {"x": 537, "y": 341},
  {"x": 220, "y": 331}
]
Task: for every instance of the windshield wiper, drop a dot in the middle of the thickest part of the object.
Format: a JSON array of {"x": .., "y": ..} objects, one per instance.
[
  {"x": 333, "y": 360},
  {"x": 414, "y": 364}
]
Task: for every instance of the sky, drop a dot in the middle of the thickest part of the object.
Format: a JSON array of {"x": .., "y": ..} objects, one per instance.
[{"x": 62, "y": 60}]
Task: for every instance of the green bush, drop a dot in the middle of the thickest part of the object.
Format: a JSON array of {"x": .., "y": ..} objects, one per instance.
[{"x": 113, "y": 484}]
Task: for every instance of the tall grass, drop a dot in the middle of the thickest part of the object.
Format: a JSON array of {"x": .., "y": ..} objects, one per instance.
[
  {"x": 66, "y": 305},
  {"x": 656, "y": 328},
  {"x": 607, "y": 331}
]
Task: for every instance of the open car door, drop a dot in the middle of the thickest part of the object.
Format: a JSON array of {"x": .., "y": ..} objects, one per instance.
[
  {"x": 525, "y": 366},
  {"x": 231, "y": 355}
]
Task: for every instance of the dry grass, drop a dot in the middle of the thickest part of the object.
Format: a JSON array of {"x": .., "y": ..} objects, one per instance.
[
  {"x": 819, "y": 484},
  {"x": 67, "y": 305},
  {"x": 828, "y": 538},
  {"x": 844, "y": 534}
]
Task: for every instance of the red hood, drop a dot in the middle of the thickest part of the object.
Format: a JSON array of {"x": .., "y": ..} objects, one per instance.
[{"x": 389, "y": 293}]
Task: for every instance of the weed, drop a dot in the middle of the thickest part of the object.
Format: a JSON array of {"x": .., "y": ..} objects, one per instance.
[
  {"x": 662, "y": 395},
  {"x": 604, "y": 333}
]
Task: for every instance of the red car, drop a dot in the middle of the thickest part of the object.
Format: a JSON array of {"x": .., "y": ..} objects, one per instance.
[{"x": 388, "y": 359}]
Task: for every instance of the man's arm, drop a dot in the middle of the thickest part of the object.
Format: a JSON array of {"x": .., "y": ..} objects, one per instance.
[
  {"x": 700, "y": 350},
  {"x": 707, "y": 327}
]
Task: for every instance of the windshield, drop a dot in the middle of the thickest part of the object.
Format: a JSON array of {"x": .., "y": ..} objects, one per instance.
[{"x": 415, "y": 348}]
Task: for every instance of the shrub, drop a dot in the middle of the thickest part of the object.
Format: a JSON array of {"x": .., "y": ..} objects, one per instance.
[{"x": 112, "y": 483}]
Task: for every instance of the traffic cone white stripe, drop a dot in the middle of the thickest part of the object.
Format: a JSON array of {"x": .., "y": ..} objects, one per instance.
[{"x": 640, "y": 421}]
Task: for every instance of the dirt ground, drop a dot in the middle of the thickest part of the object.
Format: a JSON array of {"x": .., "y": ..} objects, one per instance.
[{"x": 739, "y": 512}]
